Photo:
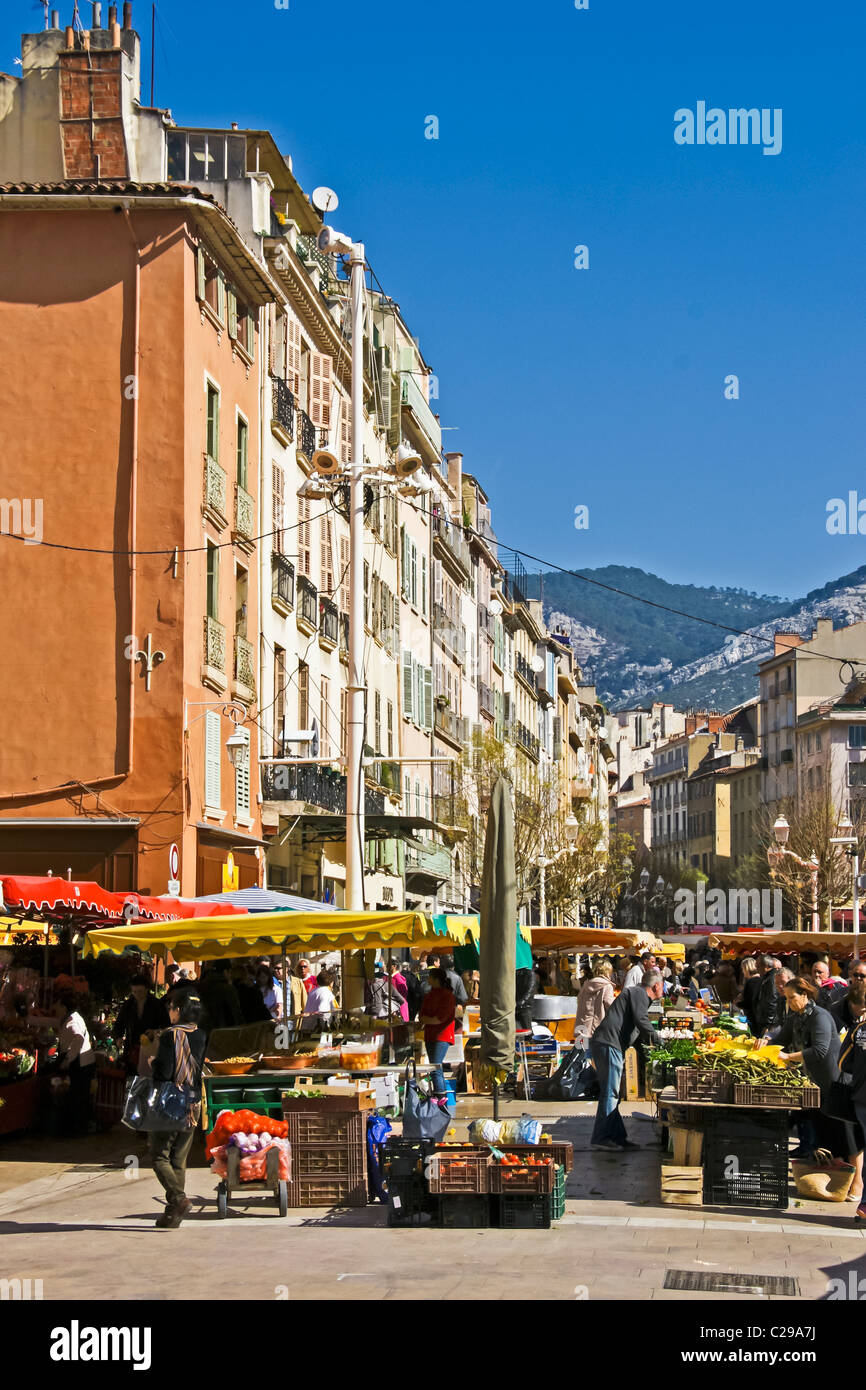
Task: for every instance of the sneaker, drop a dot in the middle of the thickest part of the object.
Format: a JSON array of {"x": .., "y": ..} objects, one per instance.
[
  {"x": 629, "y": 1144},
  {"x": 609, "y": 1147}
]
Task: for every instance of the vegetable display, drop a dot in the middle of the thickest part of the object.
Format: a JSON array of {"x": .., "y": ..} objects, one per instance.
[
  {"x": 752, "y": 1068},
  {"x": 675, "y": 1051}
]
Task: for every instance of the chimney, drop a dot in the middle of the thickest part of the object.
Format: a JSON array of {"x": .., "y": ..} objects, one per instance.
[
  {"x": 92, "y": 87},
  {"x": 784, "y": 641},
  {"x": 97, "y": 15},
  {"x": 112, "y": 15},
  {"x": 127, "y": 15},
  {"x": 55, "y": 19},
  {"x": 70, "y": 36}
]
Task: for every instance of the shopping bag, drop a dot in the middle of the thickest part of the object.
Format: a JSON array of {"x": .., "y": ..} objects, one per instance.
[
  {"x": 574, "y": 1079},
  {"x": 423, "y": 1117},
  {"x": 838, "y": 1102},
  {"x": 152, "y": 1107},
  {"x": 823, "y": 1178}
]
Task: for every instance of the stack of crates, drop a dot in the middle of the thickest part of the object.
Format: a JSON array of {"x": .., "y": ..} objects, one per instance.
[
  {"x": 404, "y": 1164},
  {"x": 527, "y": 1198},
  {"x": 459, "y": 1186},
  {"x": 329, "y": 1158}
]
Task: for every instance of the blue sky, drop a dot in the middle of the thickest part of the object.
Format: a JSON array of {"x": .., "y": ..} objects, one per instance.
[{"x": 603, "y": 386}]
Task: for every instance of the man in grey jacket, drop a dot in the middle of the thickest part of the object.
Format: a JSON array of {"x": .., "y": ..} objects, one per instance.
[{"x": 626, "y": 1020}]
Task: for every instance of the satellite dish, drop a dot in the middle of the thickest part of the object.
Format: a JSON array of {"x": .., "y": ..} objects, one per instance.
[{"x": 324, "y": 199}]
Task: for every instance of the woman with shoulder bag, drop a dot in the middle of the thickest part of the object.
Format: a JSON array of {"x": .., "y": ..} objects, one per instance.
[
  {"x": 178, "y": 1060},
  {"x": 852, "y": 1059}
]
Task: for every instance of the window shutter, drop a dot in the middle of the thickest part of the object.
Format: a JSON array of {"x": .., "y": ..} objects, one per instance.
[
  {"x": 232, "y": 302},
  {"x": 404, "y": 563},
  {"x": 437, "y": 582},
  {"x": 345, "y": 407},
  {"x": 344, "y": 573},
  {"x": 304, "y": 555},
  {"x": 278, "y": 522},
  {"x": 326, "y": 558},
  {"x": 242, "y": 781},
  {"x": 221, "y": 297},
  {"x": 212, "y": 756},
  {"x": 251, "y": 333},
  {"x": 423, "y": 586},
  {"x": 201, "y": 275},
  {"x": 408, "y": 686},
  {"x": 428, "y": 698},
  {"x": 293, "y": 355},
  {"x": 320, "y": 390}
]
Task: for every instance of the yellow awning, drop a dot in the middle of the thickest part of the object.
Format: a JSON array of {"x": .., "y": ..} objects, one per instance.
[
  {"x": 470, "y": 925},
  {"x": 11, "y": 927},
  {"x": 742, "y": 943},
  {"x": 268, "y": 933},
  {"x": 590, "y": 939}
]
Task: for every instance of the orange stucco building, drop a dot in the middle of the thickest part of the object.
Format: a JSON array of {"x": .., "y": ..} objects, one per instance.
[{"x": 129, "y": 410}]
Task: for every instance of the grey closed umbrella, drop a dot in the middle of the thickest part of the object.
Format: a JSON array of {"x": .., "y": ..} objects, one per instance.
[{"x": 498, "y": 937}]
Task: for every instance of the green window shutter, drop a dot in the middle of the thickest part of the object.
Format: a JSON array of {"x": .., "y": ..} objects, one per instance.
[
  {"x": 231, "y": 299},
  {"x": 423, "y": 586},
  {"x": 428, "y": 697},
  {"x": 242, "y": 781},
  {"x": 221, "y": 297},
  {"x": 212, "y": 756},
  {"x": 408, "y": 686},
  {"x": 404, "y": 563},
  {"x": 200, "y": 273},
  {"x": 251, "y": 335}
]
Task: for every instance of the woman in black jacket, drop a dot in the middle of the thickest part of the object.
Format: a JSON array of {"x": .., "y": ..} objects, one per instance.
[
  {"x": 179, "y": 1059},
  {"x": 809, "y": 1037}
]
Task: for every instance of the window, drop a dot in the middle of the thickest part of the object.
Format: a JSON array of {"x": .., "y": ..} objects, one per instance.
[
  {"x": 279, "y": 694},
  {"x": 423, "y": 586},
  {"x": 212, "y": 757},
  {"x": 213, "y": 422},
  {"x": 204, "y": 156},
  {"x": 242, "y": 324},
  {"x": 211, "y": 284},
  {"x": 857, "y": 735},
  {"x": 326, "y": 557},
  {"x": 324, "y": 719},
  {"x": 242, "y": 585},
  {"x": 344, "y": 573},
  {"x": 303, "y": 696},
  {"x": 243, "y": 445},
  {"x": 808, "y": 745},
  {"x": 242, "y": 780},
  {"x": 377, "y": 723},
  {"x": 390, "y": 729},
  {"x": 857, "y": 774},
  {"x": 278, "y": 493},
  {"x": 304, "y": 545},
  {"x": 344, "y": 722},
  {"x": 213, "y": 581}
]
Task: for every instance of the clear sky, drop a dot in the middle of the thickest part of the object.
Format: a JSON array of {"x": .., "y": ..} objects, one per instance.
[{"x": 602, "y": 386}]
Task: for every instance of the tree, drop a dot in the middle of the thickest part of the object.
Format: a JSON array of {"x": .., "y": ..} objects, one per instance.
[{"x": 813, "y": 819}]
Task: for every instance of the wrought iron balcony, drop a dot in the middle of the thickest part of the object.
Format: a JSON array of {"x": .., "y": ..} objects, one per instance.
[
  {"x": 315, "y": 786},
  {"x": 527, "y": 741},
  {"x": 414, "y": 400},
  {"x": 215, "y": 485},
  {"x": 308, "y": 602},
  {"x": 449, "y": 636},
  {"x": 310, "y": 255},
  {"x": 430, "y": 859},
  {"x": 451, "y": 544},
  {"x": 244, "y": 513},
  {"x": 214, "y": 644},
  {"x": 329, "y": 622},
  {"x": 485, "y": 699},
  {"x": 282, "y": 581},
  {"x": 306, "y": 436},
  {"x": 452, "y": 725},
  {"x": 245, "y": 668},
  {"x": 283, "y": 407},
  {"x": 525, "y": 671}
]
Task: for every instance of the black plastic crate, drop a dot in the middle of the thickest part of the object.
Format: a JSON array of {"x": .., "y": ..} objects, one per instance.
[
  {"x": 752, "y": 1188},
  {"x": 746, "y": 1160},
  {"x": 523, "y": 1213},
  {"x": 464, "y": 1213},
  {"x": 410, "y": 1203},
  {"x": 403, "y": 1158}
]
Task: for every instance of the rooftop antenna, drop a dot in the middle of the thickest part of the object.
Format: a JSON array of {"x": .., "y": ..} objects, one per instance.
[
  {"x": 46, "y": 4},
  {"x": 152, "y": 48}
]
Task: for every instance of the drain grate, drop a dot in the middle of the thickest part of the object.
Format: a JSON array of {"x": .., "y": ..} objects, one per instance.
[{"x": 695, "y": 1281}]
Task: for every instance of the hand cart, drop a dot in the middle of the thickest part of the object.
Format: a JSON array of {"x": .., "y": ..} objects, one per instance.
[{"x": 272, "y": 1183}]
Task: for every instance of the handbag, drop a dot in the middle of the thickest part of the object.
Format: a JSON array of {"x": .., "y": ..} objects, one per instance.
[
  {"x": 152, "y": 1107},
  {"x": 423, "y": 1117},
  {"x": 823, "y": 1178},
  {"x": 839, "y": 1103}
]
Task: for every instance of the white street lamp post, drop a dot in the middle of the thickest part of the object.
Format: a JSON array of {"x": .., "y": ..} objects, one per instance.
[
  {"x": 781, "y": 831},
  {"x": 848, "y": 837},
  {"x": 356, "y": 689}
]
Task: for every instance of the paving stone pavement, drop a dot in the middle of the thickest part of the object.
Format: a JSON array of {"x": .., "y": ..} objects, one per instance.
[{"x": 87, "y": 1228}]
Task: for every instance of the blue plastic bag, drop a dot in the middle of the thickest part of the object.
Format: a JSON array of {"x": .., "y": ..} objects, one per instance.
[{"x": 378, "y": 1129}]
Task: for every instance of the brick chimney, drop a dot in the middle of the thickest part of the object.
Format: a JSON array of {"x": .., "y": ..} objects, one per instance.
[
  {"x": 784, "y": 641},
  {"x": 94, "y": 66}
]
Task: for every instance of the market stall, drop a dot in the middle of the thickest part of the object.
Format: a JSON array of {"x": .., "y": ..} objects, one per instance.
[{"x": 841, "y": 946}]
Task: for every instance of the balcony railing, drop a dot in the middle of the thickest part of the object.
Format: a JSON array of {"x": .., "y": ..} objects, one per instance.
[
  {"x": 309, "y": 253},
  {"x": 244, "y": 513},
  {"x": 215, "y": 484},
  {"x": 329, "y": 622},
  {"x": 450, "y": 637},
  {"x": 413, "y": 397},
  {"x": 245, "y": 669},
  {"x": 527, "y": 741},
  {"x": 306, "y": 436},
  {"x": 449, "y": 723},
  {"x": 308, "y": 607},
  {"x": 316, "y": 786},
  {"x": 524, "y": 669},
  {"x": 283, "y": 580},
  {"x": 485, "y": 699},
  {"x": 429, "y": 858},
  {"x": 451, "y": 538},
  {"x": 283, "y": 407},
  {"x": 214, "y": 644}
]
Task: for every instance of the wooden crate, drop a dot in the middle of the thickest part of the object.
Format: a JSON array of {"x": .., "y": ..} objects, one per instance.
[
  {"x": 778, "y": 1097},
  {"x": 682, "y": 1185},
  {"x": 339, "y": 1098},
  {"x": 688, "y": 1145}
]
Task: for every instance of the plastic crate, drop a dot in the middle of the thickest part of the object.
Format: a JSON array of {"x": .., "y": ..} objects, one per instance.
[
  {"x": 746, "y": 1160},
  {"x": 329, "y": 1160},
  {"x": 523, "y": 1212},
  {"x": 326, "y": 1191},
  {"x": 561, "y": 1152},
  {"x": 557, "y": 1199},
  {"x": 325, "y": 1127},
  {"x": 464, "y": 1213},
  {"x": 341, "y": 1102},
  {"x": 403, "y": 1158},
  {"x": 693, "y": 1084},
  {"x": 778, "y": 1097},
  {"x": 458, "y": 1172},
  {"x": 534, "y": 1180},
  {"x": 409, "y": 1202}
]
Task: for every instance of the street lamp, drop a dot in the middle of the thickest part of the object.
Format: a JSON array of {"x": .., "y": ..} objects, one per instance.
[
  {"x": 236, "y": 745},
  {"x": 781, "y": 831},
  {"x": 847, "y": 836}
]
